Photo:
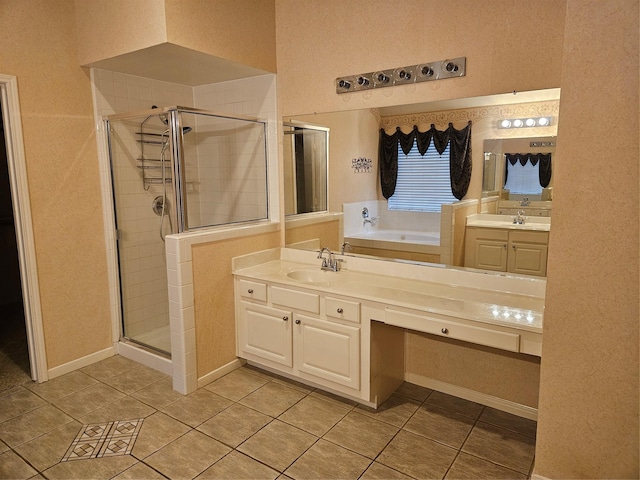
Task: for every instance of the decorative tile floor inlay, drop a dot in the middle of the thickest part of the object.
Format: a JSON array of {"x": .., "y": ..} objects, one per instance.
[{"x": 108, "y": 439}]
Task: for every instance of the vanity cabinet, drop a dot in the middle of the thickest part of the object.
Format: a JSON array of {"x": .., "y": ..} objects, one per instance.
[
  {"x": 302, "y": 333},
  {"x": 504, "y": 250}
]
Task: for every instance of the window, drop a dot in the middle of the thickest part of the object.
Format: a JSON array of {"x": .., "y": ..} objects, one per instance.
[
  {"x": 423, "y": 183},
  {"x": 523, "y": 179}
]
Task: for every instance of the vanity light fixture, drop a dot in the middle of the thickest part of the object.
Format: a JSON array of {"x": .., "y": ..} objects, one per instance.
[
  {"x": 525, "y": 122},
  {"x": 423, "y": 72}
]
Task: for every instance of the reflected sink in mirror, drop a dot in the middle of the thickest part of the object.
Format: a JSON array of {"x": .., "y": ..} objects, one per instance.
[{"x": 315, "y": 276}]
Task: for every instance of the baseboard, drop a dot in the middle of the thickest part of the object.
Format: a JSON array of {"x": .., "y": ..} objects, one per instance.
[
  {"x": 508, "y": 406},
  {"x": 80, "y": 362},
  {"x": 535, "y": 476},
  {"x": 220, "y": 372}
]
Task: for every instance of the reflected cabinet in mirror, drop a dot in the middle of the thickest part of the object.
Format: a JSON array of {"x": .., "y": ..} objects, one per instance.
[
  {"x": 305, "y": 158},
  {"x": 380, "y": 225}
]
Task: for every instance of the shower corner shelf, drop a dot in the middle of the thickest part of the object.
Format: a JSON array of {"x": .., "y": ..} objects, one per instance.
[{"x": 149, "y": 164}]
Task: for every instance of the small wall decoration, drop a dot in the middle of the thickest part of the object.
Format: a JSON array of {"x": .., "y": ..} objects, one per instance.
[{"x": 361, "y": 165}]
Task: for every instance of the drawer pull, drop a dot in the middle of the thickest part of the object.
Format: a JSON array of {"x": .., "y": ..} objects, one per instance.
[
  {"x": 285, "y": 318},
  {"x": 250, "y": 290},
  {"x": 445, "y": 330},
  {"x": 297, "y": 322},
  {"x": 339, "y": 310}
]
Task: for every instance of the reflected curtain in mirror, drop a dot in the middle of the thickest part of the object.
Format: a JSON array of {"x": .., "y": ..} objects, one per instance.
[
  {"x": 459, "y": 156},
  {"x": 544, "y": 170}
]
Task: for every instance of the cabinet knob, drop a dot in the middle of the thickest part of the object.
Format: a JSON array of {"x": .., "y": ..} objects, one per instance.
[
  {"x": 339, "y": 310},
  {"x": 285, "y": 318},
  {"x": 297, "y": 322},
  {"x": 250, "y": 290},
  {"x": 445, "y": 330},
  {"x": 513, "y": 246}
]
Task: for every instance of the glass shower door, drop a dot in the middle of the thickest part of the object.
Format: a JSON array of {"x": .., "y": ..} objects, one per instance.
[{"x": 140, "y": 154}]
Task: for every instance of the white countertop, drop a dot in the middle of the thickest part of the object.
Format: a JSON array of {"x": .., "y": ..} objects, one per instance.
[
  {"x": 515, "y": 310},
  {"x": 542, "y": 224}
]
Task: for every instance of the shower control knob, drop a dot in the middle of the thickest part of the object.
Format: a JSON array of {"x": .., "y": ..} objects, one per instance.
[
  {"x": 250, "y": 290},
  {"x": 445, "y": 330},
  {"x": 339, "y": 310},
  {"x": 297, "y": 322}
]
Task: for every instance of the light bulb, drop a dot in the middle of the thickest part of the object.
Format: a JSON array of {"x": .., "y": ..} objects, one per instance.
[
  {"x": 543, "y": 121},
  {"x": 506, "y": 123},
  {"x": 518, "y": 123},
  {"x": 530, "y": 122}
]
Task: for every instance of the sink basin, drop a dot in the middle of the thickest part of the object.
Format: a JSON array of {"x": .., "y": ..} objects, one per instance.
[{"x": 315, "y": 276}]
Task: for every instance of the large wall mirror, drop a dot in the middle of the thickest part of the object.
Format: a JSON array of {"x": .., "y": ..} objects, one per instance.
[{"x": 355, "y": 136}]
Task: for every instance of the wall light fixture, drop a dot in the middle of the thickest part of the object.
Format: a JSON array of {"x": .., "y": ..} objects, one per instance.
[
  {"x": 423, "y": 72},
  {"x": 525, "y": 122}
]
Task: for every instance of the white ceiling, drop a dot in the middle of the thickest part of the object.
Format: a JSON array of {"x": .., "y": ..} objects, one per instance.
[{"x": 176, "y": 64}]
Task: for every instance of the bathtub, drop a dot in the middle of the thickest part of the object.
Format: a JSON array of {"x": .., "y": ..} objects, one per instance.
[{"x": 404, "y": 244}]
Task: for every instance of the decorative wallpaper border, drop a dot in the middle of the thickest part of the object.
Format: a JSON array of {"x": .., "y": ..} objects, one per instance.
[{"x": 440, "y": 118}]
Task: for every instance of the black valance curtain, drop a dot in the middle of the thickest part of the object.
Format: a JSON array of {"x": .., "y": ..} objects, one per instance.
[
  {"x": 544, "y": 171},
  {"x": 459, "y": 155}
]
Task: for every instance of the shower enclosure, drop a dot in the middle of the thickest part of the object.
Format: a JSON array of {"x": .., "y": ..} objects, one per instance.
[{"x": 176, "y": 170}]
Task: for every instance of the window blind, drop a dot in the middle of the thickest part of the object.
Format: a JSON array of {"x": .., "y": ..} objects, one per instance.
[
  {"x": 424, "y": 182},
  {"x": 523, "y": 179}
]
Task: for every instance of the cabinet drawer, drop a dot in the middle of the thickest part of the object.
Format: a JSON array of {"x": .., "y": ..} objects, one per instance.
[
  {"x": 431, "y": 323},
  {"x": 309, "y": 302},
  {"x": 253, "y": 290},
  {"x": 342, "y": 309}
]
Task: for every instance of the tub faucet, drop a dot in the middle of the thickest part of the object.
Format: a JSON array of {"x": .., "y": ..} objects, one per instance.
[
  {"x": 519, "y": 218},
  {"x": 365, "y": 216},
  {"x": 329, "y": 263}
]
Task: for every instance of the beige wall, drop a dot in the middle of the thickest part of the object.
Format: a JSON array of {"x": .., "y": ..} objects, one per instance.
[
  {"x": 509, "y": 46},
  {"x": 328, "y": 234},
  {"x": 62, "y": 169},
  {"x": 500, "y": 374},
  {"x": 213, "y": 297},
  {"x": 588, "y": 419},
  {"x": 241, "y": 31},
  {"x": 108, "y": 28}
]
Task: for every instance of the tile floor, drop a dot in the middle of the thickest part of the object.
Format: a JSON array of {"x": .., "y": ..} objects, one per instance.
[{"x": 249, "y": 424}]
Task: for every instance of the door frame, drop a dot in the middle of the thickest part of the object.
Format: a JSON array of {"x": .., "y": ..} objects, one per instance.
[{"x": 23, "y": 226}]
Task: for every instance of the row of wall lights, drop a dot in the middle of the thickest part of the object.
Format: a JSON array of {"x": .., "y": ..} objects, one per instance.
[
  {"x": 423, "y": 72},
  {"x": 525, "y": 122}
]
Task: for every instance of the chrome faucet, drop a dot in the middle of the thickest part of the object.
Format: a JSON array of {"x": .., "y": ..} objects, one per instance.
[
  {"x": 519, "y": 218},
  {"x": 345, "y": 246},
  {"x": 524, "y": 202},
  {"x": 329, "y": 263},
  {"x": 365, "y": 216}
]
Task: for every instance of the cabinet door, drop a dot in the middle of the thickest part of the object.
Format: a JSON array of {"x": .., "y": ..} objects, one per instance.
[
  {"x": 327, "y": 350},
  {"x": 486, "y": 248},
  {"x": 265, "y": 332},
  {"x": 528, "y": 258},
  {"x": 491, "y": 254}
]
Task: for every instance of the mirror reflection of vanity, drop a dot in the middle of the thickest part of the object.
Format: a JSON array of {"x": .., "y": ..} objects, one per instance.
[
  {"x": 355, "y": 134},
  {"x": 528, "y": 196}
]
